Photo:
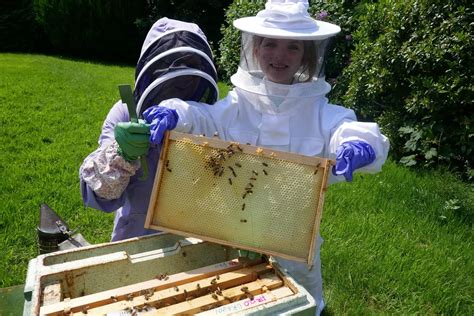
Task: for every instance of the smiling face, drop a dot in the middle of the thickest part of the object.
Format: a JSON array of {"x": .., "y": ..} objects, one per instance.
[{"x": 279, "y": 59}]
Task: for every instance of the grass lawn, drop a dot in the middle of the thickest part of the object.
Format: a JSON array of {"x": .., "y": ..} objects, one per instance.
[{"x": 396, "y": 242}]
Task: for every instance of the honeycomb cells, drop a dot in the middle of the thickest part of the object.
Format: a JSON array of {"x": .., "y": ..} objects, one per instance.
[{"x": 254, "y": 200}]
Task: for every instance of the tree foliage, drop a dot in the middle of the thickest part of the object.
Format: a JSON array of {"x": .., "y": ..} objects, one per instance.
[
  {"x": 411, "y": 71},
  {"x": 99, "y": 28},
  {"x": 111, "y": 30}
]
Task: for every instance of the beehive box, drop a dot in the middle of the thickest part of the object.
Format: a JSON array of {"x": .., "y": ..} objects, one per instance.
[
  {"x": 160, "y": 275},
  {"x": 239, "y": 195}
]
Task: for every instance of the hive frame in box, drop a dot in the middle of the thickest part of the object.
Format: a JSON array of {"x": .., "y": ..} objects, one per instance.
[
  {"x": 210, "y": 170},
  {"x": 170, "y": 275}
]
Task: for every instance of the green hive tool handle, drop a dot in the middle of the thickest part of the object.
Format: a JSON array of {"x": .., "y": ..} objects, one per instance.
[{"x": 127, "y": 97}]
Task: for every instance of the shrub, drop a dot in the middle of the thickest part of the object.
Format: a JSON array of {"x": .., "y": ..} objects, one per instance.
[
  {"x": 411, "y": 71},
  {"x": 229, "y": 46},
  {"x": 18, "y": 28},
  {"x": 115, "y": 30},
  {"x": 100, "y": 28},
  {"x": 208, "y": 14}
]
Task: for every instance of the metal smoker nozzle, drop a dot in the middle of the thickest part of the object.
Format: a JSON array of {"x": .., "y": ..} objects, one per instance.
[{"x": 52, "y": 230}]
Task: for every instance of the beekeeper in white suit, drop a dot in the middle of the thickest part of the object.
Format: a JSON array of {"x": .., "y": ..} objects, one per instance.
[{"x": 279, "y": 102}]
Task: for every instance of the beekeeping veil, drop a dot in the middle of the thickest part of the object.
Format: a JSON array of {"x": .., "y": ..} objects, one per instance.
[
  {"x": 283, "y": 19},
  {"x": 175, "y": 62}
]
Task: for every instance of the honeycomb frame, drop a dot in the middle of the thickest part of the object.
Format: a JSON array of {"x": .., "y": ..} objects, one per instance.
[{"x": 239, "y": 195}]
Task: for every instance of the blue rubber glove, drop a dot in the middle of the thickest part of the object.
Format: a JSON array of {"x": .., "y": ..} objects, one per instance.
[
  {"x": 160, "y": 120},
  {"x": 352, "y": 155}
]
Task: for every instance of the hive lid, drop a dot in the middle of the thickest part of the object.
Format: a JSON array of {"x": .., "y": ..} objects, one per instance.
[{"x": 239, "y": 195}]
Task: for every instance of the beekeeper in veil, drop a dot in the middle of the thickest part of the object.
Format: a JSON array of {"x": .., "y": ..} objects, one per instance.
[
  {"x": 279, "y": 102},
  {"x": 175, "y": 62}
]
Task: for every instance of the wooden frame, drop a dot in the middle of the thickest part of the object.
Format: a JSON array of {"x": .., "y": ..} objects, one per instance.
[
  {"x": 320, "y": 166},
  {"x": 253, "y": 282}
]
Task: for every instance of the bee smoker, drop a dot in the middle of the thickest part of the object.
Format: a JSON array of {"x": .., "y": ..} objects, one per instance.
[
  {"x": 54, "y": 234},
  {"x": 52, "y": 230}
]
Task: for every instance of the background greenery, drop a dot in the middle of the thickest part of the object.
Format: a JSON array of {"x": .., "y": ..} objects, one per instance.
[
  {"x": 405, "y": 64},
  {"x": 398, "y": 242},
  {"x": 104, "y": 30}
]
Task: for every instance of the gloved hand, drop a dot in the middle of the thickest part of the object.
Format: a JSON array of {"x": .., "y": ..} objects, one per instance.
[
  {"x": 133, "y": 139},
  {"x": 160, "y": 119},
  {"x": 352, "y": 155}
]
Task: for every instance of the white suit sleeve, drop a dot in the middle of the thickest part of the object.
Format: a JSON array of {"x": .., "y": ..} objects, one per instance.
[
  {"x": 194, "y": 118},
  {"x": 201, "y": 118},
  {"x": 345, "y": 128}
]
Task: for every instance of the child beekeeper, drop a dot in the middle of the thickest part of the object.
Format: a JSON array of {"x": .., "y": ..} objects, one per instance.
[{"x": 175, "y": 62}]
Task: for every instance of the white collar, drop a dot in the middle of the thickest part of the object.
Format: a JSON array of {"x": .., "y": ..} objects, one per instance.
[{"x": 261, "y": 92}]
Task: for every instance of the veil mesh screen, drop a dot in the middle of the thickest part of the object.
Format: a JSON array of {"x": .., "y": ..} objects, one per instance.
[{"x": 238, "y": 196}]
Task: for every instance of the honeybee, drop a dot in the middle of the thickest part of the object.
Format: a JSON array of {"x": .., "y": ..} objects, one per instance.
[
  {"x": 317, "y": 168},
  {"x": 243, "y": 221},
  {"x": 238, "y": 165},
  {"x": 265, "y": 172},
  {"x": 265, "y": 164},
  {"x": 243, "y": 205},
  {"x": 232, "y": 169}
]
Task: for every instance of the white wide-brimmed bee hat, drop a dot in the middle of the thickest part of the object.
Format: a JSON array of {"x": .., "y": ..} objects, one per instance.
[{"x": 286, "y": 19}]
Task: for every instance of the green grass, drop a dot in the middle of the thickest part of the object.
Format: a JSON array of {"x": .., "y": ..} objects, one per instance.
[{"x": 399, "y": 242}]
